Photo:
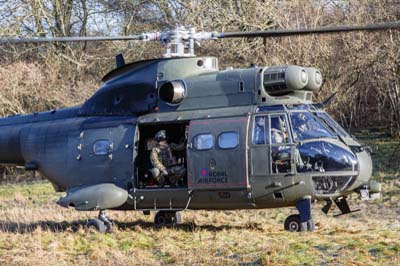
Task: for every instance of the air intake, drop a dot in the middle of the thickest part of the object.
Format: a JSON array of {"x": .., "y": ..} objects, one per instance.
[
  {"x": 314, "y": 79},
  {"x": 172, "y": 92}
]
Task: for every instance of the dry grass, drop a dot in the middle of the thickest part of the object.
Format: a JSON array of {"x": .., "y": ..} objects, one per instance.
[{"x": 35, "y": 231}]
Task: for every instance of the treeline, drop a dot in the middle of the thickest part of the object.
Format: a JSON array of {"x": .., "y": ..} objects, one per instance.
[{"x": 363, "y": 68}]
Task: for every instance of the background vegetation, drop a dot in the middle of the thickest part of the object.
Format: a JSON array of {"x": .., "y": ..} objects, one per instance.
[{"x": 364, "y": 68}]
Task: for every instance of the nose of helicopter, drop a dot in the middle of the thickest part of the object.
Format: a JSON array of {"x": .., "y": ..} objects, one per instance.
[{"x": 365, "y": 169}]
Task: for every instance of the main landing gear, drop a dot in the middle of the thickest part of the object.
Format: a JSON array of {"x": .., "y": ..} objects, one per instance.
[
  {"x": 102, "y": 224},
  {"x": 167, "y": 218},
  {"x": 302, "y": 221}
]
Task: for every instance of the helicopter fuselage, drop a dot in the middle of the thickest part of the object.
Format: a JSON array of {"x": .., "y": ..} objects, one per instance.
[
  {"x": 253, "y": 139},
  {"x": 232, "y": 170}
]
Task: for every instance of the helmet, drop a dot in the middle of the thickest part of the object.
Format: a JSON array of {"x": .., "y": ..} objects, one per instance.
[{"x": 161, "y": 135}]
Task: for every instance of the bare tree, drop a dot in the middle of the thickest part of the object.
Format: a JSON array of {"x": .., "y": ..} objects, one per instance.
[{"x": 362, "y": 67}]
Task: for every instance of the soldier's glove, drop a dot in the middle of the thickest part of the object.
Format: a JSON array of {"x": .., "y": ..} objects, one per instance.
[{"x": 165, "y": 172}]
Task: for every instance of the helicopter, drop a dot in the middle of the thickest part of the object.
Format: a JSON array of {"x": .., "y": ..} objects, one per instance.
[{"x": 253, "y": 137}]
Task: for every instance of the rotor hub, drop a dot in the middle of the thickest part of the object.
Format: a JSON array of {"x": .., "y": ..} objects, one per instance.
[{"x": 179, "y": 41}]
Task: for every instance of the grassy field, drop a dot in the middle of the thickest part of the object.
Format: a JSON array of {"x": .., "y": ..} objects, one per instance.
[{"x": 36, "y": 231}]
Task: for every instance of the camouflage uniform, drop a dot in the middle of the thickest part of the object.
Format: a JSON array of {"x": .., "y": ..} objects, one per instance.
[{"x": 161, "y": 158}]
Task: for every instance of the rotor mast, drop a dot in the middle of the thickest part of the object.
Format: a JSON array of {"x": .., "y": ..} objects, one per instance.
[{"x": 180, "y": 41}]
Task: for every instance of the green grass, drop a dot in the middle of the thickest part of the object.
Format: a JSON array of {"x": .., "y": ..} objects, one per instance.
[
  {"x": 29, "y": 194},
  {"x": 386, "y": 157}
]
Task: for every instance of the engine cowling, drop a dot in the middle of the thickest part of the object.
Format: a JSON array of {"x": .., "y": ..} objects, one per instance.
[{"x": 282, "y": 80}]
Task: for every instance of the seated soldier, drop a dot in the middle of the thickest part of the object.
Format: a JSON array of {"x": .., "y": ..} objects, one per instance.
[{"x": 164, "y": 164}]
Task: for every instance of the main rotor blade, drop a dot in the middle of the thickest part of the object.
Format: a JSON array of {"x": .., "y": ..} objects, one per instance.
[
  {"x": 5, "y": 40},
  {"x": 324, "y": 30}
]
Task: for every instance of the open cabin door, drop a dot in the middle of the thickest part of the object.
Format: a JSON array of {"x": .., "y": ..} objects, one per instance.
[{"x": 217, "y": 154}]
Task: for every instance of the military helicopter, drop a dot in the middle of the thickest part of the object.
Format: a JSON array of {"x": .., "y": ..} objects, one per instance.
[{"x": 253, "y": 138}]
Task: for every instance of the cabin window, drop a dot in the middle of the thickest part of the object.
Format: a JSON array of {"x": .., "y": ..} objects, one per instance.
[
  {"x": 228, "y": 140},
  {"x": 102, "y": 147},
  {"x": 203, "y": 142}
]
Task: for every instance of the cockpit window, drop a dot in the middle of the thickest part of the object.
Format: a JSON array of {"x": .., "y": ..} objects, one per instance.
[
  {"x": 259, "y": 130},
  {"x": 279, "y": 129},
  {"x": 332, "y": 124},
  {"x": 306, "y": 126}
]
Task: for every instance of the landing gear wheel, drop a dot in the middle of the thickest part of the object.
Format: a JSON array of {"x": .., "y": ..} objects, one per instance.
[
  {"x": 96, "y": 224},
  {"x": 167, "y": 218},
  {"x": 293, "y": 223},
  {"x": 106, "y": 221},
  {"x": 160, "y": 219}
]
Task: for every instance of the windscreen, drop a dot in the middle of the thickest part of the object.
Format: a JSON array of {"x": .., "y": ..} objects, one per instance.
[
  {"x": 321, "y": 156},
  {"x": 306, "y": 126},
  {"x": 332, "y": 124}
]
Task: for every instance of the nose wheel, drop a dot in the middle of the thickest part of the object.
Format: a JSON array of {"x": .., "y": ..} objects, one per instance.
[{"x": 303, "y": 221}]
